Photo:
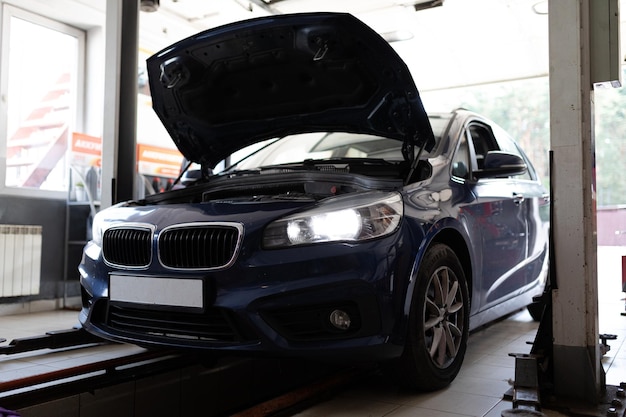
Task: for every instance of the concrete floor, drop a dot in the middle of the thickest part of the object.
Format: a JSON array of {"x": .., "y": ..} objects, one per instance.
[{"x": 487, "y": 372}]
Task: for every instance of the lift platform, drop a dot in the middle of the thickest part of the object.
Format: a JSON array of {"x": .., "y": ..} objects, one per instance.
[{"x": 57, "y": 339}]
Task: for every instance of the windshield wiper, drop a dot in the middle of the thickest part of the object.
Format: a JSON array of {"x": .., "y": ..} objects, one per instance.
[
  {"x": 344, "y": 160},
  {"x": 237, "y": 173},
  {"x": 229, "y": 168}
]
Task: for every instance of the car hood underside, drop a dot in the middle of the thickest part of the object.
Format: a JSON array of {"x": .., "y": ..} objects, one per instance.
[{"x": 235, "y": 85}]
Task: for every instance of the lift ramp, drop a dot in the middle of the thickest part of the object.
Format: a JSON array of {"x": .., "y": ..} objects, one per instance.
[{"x": 57, "y": 339}]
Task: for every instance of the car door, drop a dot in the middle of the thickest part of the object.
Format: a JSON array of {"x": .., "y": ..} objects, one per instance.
[
  {"x": 499, "y": 218},
  {"x": 536, "y": 205}
]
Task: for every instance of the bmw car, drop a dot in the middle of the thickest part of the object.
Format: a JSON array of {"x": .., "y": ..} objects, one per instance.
[{"x": 323, "y": 212}]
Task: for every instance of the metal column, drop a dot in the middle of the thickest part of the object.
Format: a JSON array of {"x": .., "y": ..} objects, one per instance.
[
  {"x": 120, "y": 101},
  {"x": 577, "y": 370}
]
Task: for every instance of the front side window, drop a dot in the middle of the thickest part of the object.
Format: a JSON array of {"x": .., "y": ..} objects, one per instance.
[
  {"x": 41, "y": 63},
  {"x": 461, "y": 160},
  {"x": 493, "y": 138},
  {"x": 483, "y": 142},
  {"x": 507, "y": 144}
]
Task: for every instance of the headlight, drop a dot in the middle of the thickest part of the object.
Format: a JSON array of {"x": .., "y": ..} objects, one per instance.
[{"x": 349, "y": 218}]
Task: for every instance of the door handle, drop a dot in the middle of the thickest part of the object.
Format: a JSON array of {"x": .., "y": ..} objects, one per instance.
[{"x": 518, "y": 198}]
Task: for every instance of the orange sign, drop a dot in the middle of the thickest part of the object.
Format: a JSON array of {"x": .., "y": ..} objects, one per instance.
[
  {"x": 82, "y": 143},
  {"x": 86, "y": 150},
  {"x": 156, "y": 161}
]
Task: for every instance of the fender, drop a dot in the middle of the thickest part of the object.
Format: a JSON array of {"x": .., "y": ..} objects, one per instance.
[{"x": 449, "y": 231}]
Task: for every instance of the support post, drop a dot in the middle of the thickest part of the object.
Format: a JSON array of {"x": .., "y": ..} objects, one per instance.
[
  {"x": 120, "y": 101},
  {"x": 578, "y": 373}
]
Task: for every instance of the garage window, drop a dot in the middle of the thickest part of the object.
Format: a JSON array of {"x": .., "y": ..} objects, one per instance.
[{"x": 41, "y": 63}]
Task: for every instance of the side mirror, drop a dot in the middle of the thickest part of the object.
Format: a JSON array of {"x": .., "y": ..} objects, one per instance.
[{"x": 501, "y": 164}]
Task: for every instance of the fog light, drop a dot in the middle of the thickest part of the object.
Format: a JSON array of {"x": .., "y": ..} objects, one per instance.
[{"x": 340, "y": 319}]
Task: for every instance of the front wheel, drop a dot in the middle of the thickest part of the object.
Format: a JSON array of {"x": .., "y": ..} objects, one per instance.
[{"x": 438, "y": 324}]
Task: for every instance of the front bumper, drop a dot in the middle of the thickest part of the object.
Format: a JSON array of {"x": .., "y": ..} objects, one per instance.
[{"x": 271, "y": 302}]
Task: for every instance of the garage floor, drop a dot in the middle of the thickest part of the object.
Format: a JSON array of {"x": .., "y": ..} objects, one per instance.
[{"x": 477, "y": 391}]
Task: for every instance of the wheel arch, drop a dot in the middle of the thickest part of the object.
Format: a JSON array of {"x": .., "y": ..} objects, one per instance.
[
  {"x": 456, "y": 242},
  {"x": 412, "y": 367},
  {"x": 452, "y": 237}
]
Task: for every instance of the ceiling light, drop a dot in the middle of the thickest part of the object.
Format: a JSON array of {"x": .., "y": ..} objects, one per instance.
[
  {"x": 149, "y": 5},
  {"x": 426, "y": 4}
]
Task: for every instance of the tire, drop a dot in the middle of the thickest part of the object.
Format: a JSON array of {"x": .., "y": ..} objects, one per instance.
[{"x": 438, "y": 325}]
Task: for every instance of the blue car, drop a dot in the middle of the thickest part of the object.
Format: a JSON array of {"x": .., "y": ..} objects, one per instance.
[{"x": 324, "y": 214}]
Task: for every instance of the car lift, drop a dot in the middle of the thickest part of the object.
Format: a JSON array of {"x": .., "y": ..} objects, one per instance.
[
  {"x": 57, "y": 339},
  {"x": 534, "y": 372}
]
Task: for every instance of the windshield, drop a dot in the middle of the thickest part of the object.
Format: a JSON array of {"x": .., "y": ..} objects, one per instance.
[
  {"x": 324, "y": 145},
  {"x": 319, "y": 146}
]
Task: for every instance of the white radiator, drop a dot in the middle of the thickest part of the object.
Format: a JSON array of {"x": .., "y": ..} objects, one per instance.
[{"x": 20, "y": 260}]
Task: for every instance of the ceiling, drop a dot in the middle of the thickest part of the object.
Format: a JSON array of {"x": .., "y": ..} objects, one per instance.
[{"x": 460, "y": 43}]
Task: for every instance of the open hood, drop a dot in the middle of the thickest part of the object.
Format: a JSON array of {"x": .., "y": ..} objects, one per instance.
[{"x": 231, "y": 86}]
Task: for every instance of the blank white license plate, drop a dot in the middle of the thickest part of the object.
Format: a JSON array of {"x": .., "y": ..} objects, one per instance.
[{"x": 173, "y": 292}]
